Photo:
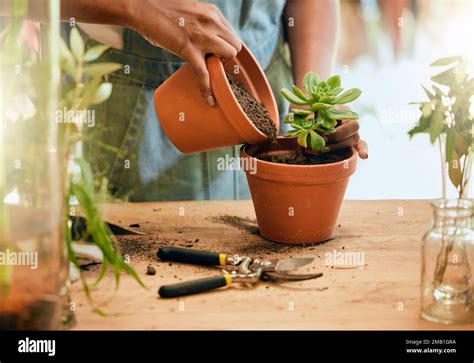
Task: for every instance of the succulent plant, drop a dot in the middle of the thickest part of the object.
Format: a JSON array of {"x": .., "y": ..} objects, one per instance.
[{"x": 318, "y": 113}]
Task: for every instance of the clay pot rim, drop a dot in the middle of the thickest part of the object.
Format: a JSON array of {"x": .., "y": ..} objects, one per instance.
[
  {"x": 283, "y": 167},
  {"x": 226, "y": 99}
]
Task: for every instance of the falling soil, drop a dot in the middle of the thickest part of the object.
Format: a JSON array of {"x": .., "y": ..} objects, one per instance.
[
  {"x": 255, "y": 110},
  {"x": 300, "y": 158},
  {"x": 246, "y": 224}
]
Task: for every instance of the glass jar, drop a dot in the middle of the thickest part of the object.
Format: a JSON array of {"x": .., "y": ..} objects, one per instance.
[
  {"x": 447, "y": 264},
  {"x": 32, "y": 248}
]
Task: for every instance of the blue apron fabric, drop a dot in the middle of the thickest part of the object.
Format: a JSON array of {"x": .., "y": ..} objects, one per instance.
[{"x": 145, "y": 165}]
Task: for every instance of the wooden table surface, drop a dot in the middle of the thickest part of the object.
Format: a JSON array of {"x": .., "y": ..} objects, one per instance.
[{"x": 384, "y": 294}]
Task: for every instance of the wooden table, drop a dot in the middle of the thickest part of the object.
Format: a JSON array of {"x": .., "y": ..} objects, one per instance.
[{"x": 384, "y": 294}]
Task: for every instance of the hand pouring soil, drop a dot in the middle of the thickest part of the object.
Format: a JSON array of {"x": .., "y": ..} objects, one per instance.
[{"x": 193, "y": 126}]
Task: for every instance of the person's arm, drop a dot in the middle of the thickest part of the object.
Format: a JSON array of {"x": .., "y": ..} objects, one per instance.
[
  {"x": 189, "y": 29},
  {"x": 116, "y": 12},
  {"x": 312, "y": 27}
]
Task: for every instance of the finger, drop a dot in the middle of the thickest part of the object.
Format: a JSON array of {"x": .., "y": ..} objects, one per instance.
[
  {"x": 233, "y": 41},
  {"x": 347, "y": 129},
  {"x": 197, "y": 61},
  {"x": 222, "y": 49},
  {"x": 362, "y": 149},
  {"x": 349, "y": 142},
  {"x": 229, "y": 35}
]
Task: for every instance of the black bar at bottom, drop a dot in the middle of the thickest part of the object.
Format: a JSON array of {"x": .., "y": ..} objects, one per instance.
[{"x": 262, "y": 345}]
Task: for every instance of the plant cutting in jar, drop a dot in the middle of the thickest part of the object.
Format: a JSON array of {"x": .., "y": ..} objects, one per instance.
[
  {"x": 447, "y": 117},
  {"x": 84, "y": 86},
  {"x": 319, "y": 112}
]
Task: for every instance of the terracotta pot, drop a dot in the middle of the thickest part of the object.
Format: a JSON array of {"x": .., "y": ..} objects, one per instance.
[
  {"x": 296, "y": 204},
  {"x": 193, "y": 126}
]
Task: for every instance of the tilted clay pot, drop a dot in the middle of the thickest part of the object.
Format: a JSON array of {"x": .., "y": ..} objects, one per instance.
[
  {"x": 296, "y": 204},
  {"x": 193, "y": 126}
]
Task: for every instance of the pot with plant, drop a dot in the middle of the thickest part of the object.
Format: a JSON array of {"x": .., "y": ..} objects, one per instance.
[
  {"x": 448, "y": 246},
  {"x": 297, "y": 188}
]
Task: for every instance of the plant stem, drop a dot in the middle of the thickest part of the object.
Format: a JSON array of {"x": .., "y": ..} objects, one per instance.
[{"x": 466, "y": 176}]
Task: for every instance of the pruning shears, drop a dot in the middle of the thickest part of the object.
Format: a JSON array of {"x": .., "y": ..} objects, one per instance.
[{"x": 236, "y": 269}]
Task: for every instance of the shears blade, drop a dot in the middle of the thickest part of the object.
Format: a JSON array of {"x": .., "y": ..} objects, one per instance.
[
  {"x": 282, "y": 276},
  {"x": 288, "y": 264}
]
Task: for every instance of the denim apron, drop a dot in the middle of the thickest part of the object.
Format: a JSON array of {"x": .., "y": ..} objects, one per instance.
[{"x": 140, "y": 162}]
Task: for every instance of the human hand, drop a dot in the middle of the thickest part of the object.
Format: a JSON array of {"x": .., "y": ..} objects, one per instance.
[
  {"x": 346, "y": 135},
  {"x": 191, "y": 30}
]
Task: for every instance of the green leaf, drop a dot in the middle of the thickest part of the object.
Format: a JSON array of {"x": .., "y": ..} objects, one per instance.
[
  {"x": 315, "y": 95},
  {"x": 102, "y": 94},
  {"x": 335, "y": 91},
  {"x": 316, "y": 142},
  {"x": 308, "y": 123},
  {"x": 310, "y": 81},
  {"x": 68, "y": 63},
  {"x": 438, "y": 91},
  {"x": 302, "y": 112},
  {"x": 87, "y": 175},
  {"x": 302, "y": 139},
  {"x": 95, "y": 52},
  {"x": 446, "y": 78},
  {"x": 348, "y": 96},
  {"x": 299, "y": 93},
  {"x": 329, "y": 124},
  {"x": 436, "y": 124},
  {"x": 101, "y": 69},
  {"x": 292, "y": 98},
  {"x": 324, "y": 116},
  {"x": 428, "y": 92},
  {"x": 325, "y": 130},
  {"x": 341, "y": 115},
  {"x": 426, "y": 109},
  {"x": 327, "y": 99},
  {"x": 450, "y": 141},
  {"x": 320, "y": 106},
  {"x": 462, "y": 143},
  {"x": 292, "y": 133},
  {"x": 77, "y": 44},
  {"x": 290, "y": 118},
  {"x": 423, "y": 126},
  {"x": 455, "y": 173},
  {"x": 334, "y": 82},
  {"x": 446, "y": 61}
]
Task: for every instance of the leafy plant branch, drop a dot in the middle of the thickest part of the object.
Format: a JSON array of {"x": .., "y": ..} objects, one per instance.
[
  {"x": 447, "y": 117},
  {"x": 85, "y": 87}
]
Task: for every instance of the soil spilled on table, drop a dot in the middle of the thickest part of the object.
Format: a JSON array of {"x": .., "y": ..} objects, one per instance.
[
  {"x": 300, "y": 158},
  {"x": 246, "y": 224},
  {"x": 255, "y": 111}
]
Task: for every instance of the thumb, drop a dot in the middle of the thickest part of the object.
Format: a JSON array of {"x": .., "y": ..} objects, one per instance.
[{"x": 198, "y": 63}]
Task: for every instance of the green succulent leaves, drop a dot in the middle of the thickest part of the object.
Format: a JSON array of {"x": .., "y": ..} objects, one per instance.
[
  {"x": 447, "y": 114},
  {"x": 318, "y": 114}
]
